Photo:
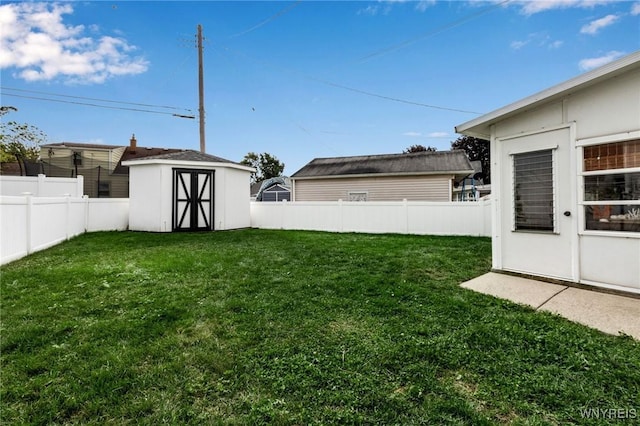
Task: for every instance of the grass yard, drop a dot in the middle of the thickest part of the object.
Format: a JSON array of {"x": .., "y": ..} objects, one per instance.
[{"x": 284, "y": 327}]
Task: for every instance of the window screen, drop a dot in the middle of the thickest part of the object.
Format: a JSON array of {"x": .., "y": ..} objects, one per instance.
[{"x": 533, "y": 191}]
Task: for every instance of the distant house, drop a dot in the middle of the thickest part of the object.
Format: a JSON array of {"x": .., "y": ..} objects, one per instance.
[
  {"x": 419, "y": 176},
  {"x": 565, "y": 178},
  {"x": 101, "y": 165},
  {"x": 274, "y": 189},
  {"x": 473, "y": 187}
]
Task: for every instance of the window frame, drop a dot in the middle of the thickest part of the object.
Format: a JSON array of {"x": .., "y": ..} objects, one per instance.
[
  {"x": 554, "y": 189},
  {"x": 582, "y": 174},
  {"x": 354, "y": 192}
]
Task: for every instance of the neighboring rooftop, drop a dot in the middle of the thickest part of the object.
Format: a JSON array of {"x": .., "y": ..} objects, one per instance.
[{"x": 426, "y": 162}]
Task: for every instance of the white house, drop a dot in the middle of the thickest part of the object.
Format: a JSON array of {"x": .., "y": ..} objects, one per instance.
[
  {"x": 566, "y": 179},
  {"x": 188, "y": 191}
]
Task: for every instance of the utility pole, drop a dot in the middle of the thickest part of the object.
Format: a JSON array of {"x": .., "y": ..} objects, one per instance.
[{"x": 201, "y": 89}]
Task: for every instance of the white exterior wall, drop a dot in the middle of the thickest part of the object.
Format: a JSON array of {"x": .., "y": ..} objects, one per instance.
[
  {"x": 235, "y": 211},
  {"x": 151, "y": 196},
  {"x": 608, "y": 109},
  {"x": 401, "y": 217}
]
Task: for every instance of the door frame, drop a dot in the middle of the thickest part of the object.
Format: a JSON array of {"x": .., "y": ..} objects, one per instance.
[
  {"x": 197, "y": 196},
  {"x": 499, "y": 195}
]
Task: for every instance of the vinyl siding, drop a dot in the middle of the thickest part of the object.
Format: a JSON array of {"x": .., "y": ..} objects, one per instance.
[
  {"x": 391, "y": 188},
  {"x": 60, "y": 164}
]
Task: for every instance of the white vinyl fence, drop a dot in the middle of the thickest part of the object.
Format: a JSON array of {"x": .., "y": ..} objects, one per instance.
[
  {"x": 42, "y": 186},
  {"x": 400, "y": 217},
  {"x": 40, "y": 212}
]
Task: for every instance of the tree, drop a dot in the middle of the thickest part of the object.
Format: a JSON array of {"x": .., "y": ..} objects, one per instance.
[
  {"x": 419, "y": 148},
  {"x": 477, "y": 150},
  {"x": 267, "y": 166},
  {"x": 19, "y": 141}
]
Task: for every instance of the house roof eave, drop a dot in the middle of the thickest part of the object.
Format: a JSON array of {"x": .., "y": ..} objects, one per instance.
[
  {"x": 366, "y": 175},
  {"x": 481, "y": 126}
]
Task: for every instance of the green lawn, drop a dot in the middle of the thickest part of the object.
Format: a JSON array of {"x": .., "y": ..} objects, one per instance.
[{"x": 284, "y": 327}]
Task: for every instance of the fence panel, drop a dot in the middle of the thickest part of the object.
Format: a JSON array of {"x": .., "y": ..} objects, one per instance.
[
  {"x": 403, "y": 217},
  {"x": 41, "y": 186},
  {"x": 107, "y": 214},
  {"x": 30, "y": 224}
]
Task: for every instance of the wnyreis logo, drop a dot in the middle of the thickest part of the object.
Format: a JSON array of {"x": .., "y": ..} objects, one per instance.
[{"x": 609, "y": 413}]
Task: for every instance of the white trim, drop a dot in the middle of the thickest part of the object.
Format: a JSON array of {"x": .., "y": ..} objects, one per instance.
[
  {"x": 575, "y": 221},
  {"x": 538, "y": 131},
  {"x": 618, "y": 137},
  {"x": 611, "y": 171},
  {"x": 192, "y": 164}
]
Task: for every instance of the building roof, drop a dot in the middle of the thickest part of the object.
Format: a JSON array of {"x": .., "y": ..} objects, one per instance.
[
  {"x": 72, "y": 145},
  {"x": 426, "y": 162},
  {"x": 186, "y": 156},
  {"x": 139, "y": 153},
  {"x": 481, "y": 127}
]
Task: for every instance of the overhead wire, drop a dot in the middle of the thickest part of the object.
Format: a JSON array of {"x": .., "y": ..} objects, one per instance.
[
  {"x": 98, "y": 105},
  {"x": 92, "y": 99},
  {"x": 266, "y": 21},
  {"x": 349, "y": 88},
  {"x": 464, "y": 19}
]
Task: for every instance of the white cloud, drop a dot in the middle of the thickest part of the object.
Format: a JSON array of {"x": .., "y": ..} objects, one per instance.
[
  {"x": 41, "y": 47},
  {"x": 412, "y": 134},
  {"x": 424, "y": 5},
  {"x": 556, "y": 44},
  {"x": 635, "y": 9},
  {"x": 438, "y": 134},
  {"x": 531, "y": 7},
  {"x": 540, "y": 39},
  {"x": 591, "y": 63},
  {"x": 593, "y": 27},
  {"x": 518, "y": 44}
]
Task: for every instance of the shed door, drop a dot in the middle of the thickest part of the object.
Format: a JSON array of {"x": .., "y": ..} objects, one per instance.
[
  {"x": 193, "y": 200},
  {"x": 537, "y": 216}
]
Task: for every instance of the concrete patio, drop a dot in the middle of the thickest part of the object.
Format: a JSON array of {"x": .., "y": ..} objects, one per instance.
[{"x": 609, "y": 313}]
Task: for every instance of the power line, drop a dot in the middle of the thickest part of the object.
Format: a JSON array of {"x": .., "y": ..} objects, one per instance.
[
  {"x": 266, "y": 21},
  {"x": 432, "y": 33},
  {"x": 353, "y": 89},
  {"x": 98, "y": 106},
  {"x": 91, "y": 99}
]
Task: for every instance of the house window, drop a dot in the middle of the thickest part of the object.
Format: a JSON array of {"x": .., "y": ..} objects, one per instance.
[
  {"x": 533, "y": 191},
  {"x": 358, "y": 196},
  {"x": 611, "y": 176},
  {"x": 104, "y": 189}
]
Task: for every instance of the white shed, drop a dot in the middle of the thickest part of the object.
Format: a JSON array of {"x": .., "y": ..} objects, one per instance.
[
  {"x": 566, "y": 179},
  {"x": 188, "y": 191}
]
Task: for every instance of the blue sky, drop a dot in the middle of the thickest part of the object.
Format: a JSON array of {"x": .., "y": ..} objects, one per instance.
[{"x": 296, "y": 79}]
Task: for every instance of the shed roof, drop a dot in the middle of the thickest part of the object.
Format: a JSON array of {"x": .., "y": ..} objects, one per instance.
[
  {"x": 426, "y": 162},
  {"x": 481, "y": 127},
  {"x": 185, "y": 156}
]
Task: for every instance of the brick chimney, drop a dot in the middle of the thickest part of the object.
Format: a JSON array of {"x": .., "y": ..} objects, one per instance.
[{"x": 133, "y": 143}]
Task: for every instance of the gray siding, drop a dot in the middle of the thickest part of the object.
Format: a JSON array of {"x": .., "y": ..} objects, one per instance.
[{"x": 390, "y": 188}]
